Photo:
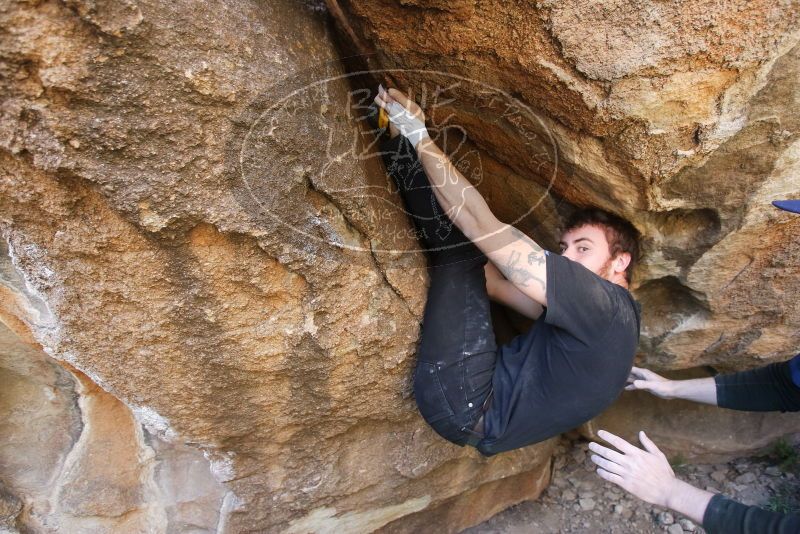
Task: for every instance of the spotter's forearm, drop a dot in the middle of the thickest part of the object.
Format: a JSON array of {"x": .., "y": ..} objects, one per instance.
[
  {"x": 688, "y": 500},
  {"x": 698, "y": 390}
]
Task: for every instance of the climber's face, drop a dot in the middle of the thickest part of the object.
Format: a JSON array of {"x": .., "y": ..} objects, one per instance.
[{"x": 589, "y": 246}]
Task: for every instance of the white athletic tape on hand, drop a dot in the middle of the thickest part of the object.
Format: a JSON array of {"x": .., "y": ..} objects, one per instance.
[{"x": 410, "y": 126}]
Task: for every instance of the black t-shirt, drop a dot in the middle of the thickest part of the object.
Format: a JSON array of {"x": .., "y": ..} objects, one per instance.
[{"x": 570, "y": 366}]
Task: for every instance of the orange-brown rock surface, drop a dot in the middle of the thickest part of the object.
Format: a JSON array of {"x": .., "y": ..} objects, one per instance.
[
  {"x": 197, "y": 227},
  {"x": 200, "y": 230}
]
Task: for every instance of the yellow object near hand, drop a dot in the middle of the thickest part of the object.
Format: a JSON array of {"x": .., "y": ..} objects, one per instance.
[{"x": 383, "y": 118}]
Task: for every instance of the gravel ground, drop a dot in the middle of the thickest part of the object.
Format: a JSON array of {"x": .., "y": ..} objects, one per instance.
[{"x": 580, "y": 501}]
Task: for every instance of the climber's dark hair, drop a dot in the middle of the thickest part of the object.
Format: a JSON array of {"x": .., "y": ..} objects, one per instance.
[{"x": 621, "y": 235}]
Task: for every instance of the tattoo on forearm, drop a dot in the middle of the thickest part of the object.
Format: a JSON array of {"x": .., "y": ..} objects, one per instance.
[
  {"x": 536, "y": 256},
  {"x": 520, "y": 275}
]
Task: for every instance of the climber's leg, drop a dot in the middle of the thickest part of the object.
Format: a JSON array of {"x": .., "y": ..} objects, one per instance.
[
  {"x": 457, "y": 351},
  {"x": 441, "y": 238}
]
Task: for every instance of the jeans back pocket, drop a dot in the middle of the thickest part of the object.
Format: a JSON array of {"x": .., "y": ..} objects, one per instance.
[{"x": 431, "y": 399}]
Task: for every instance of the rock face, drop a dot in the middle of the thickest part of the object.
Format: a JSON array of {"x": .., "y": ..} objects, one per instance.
[
  {"x": 199, "y": 230},
  {"x": 74, "y": 459}
]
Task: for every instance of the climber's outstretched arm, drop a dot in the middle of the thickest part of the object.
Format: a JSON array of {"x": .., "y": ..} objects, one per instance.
[{"x": 518, "y": 257}]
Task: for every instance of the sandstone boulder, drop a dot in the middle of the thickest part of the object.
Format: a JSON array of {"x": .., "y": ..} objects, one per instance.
[
  {"x": 199, "y": 233},
  {"x": 198, "y": 229}
]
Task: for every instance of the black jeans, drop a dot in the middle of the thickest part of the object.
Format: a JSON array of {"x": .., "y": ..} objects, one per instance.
[{"x": 457, "y": 351}]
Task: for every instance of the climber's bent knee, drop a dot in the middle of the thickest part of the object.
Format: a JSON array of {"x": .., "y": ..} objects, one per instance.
[{"x": 450, "y": 404}]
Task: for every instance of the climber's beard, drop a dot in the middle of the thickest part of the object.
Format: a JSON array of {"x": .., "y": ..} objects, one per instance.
[{"x": 605, "y": 271}]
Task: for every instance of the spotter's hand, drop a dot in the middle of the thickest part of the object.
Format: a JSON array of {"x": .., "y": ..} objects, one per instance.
[
  {"x": 646, "y": 380},
  {"x": 404, "y": 114},
  {"x": 645, "y": 473}
]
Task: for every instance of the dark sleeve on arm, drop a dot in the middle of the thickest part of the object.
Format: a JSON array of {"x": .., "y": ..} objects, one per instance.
[
  {"x": 766, "y": 389},
  {"x": 724, "y": 516},
  {"x": 578, "y": 300}
]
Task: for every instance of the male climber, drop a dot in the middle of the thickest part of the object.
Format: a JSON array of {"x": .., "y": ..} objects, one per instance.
[{"x": 576, "y": 358}]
